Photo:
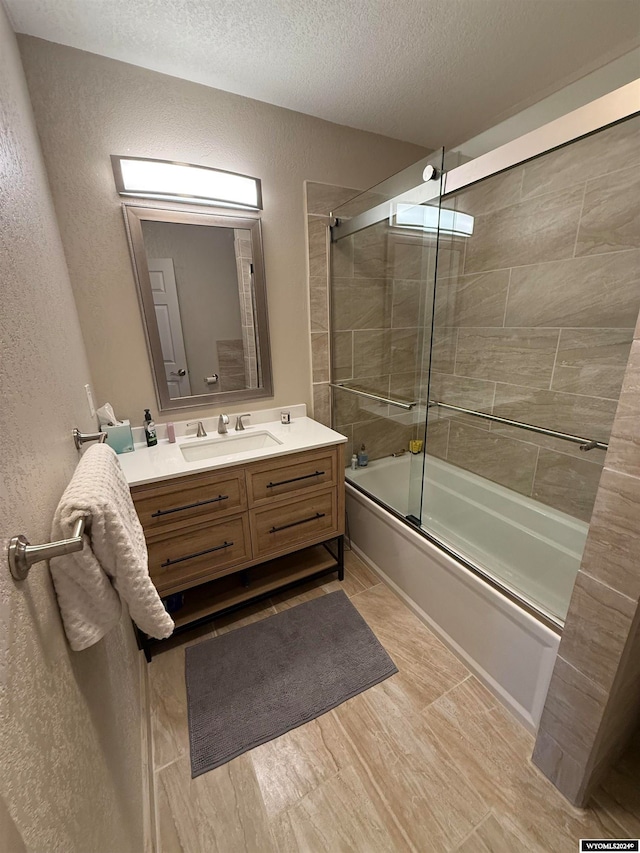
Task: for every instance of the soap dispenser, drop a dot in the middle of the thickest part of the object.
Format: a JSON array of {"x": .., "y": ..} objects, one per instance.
[
  {"x": 149, "y": 429},
  {"x": 363, "y": 457}
]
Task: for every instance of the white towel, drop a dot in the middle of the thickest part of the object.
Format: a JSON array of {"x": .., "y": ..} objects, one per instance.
[{"x": 113, "y": 563}]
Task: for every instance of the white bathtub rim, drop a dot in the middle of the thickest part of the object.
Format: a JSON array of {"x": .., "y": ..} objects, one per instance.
[
  {"x": 489, "y": 588},
  {"x": 524, "y": 620},
  {"x": 518, "y": 711}
]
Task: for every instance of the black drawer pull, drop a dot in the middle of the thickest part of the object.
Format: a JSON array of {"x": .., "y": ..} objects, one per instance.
[
  {"x": 294, "y": 479},
  {"x": 295, "y": 523},
  {"x": 197, "y": 554},
  {"x": 189, "y": 506}
]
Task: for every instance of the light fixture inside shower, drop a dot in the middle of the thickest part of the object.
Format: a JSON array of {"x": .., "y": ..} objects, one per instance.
[
  {"x": 164, "y": 179},
  {"x": 424, "y": 217}
]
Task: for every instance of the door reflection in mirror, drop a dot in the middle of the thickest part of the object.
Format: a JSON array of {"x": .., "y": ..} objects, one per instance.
[{"x": 202, "y": 291}]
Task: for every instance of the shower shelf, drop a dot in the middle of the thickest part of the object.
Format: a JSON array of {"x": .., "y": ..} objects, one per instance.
[{"x": 585, "y": 443}]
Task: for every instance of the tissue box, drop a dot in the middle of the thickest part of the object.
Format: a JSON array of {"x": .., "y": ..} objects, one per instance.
[{"x": 119, "y": 437}]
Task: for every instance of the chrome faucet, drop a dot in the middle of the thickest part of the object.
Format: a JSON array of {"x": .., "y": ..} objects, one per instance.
[
  {"x": 223, "y": 420},
  {"x": 201, "y": 433},
  {"x": 239, "y": 424}
]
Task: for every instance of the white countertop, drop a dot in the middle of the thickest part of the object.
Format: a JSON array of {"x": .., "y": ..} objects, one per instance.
[{"x": 165, "y": 461}]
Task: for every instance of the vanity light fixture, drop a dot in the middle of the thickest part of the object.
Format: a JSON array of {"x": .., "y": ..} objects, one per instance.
[
  {"x": 164, "y": 179},
  {"x": 421, "y": 217}
]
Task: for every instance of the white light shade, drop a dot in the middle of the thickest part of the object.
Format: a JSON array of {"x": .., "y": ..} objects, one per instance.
[
  {"x": 183, "y": 182},
  {"x": 428, "y": 218}
]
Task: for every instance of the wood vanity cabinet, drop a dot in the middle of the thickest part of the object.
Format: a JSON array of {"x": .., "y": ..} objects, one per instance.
[{"x": 230, "y": 537}]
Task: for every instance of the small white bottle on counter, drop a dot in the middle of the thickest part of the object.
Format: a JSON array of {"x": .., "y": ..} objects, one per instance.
[{"x": 354, "y": 462}]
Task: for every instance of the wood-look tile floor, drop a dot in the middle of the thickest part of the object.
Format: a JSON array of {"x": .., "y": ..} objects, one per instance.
[{"x": 426, "y": 761}]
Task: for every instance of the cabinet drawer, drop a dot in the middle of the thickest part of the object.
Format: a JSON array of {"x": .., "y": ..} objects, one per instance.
[
  {"x": 170, "y": 504},
  {"x": 276, "y": 529},
  {"x": 176, "y": 559},
  {"x": 286, "y": 477}
]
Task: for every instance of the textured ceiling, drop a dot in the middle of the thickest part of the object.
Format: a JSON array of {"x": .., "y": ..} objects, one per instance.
[{"x": 433, "y": 72}]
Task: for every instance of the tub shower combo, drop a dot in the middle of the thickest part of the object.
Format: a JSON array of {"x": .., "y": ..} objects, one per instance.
[{"x": 483, "y": 305}]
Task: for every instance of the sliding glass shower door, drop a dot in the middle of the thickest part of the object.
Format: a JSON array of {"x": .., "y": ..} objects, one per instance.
[
  {"x": 382, "y": 296},
  {"x": 479, "y": 336}
]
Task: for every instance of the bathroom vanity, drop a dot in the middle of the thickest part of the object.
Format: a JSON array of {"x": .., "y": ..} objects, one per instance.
[{"x": 227, "y": 526}]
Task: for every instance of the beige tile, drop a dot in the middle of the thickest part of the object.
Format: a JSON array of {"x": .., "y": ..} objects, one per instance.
[
  {"x": 566, "y": 483},
  {"x": 371, "y": 353},
  {"x": 438, "y": 439},
  {"x": 360, "y": 304},
  {"x": 320, "y": 356},
  {"x": 549, "y": 443},
  {"x": 611, "y": 552},
  {"x": 597, "y": 154},
  {"x": 431, "y": 799},
  {"x": 525, "y": 356},
  {"x": 382, "y": 437},
  {"x": 443, "y": 349},
  {"x": 219, "y": 812},
  {"x": 358, "y": 569},
  {"x": 318, "y": 247},
  {"x": 427, "y": 669},
  {"x": 474, "y": 394},
  {"x": 323, "y": 198},
  {"x": 353, "y": 408},
  {"x": 542, "y": 229},
  {"x": 569, "y": 413},
  {"x": 450, "y": 257},
  {"x": 404, "y": 386},
  {"x": 592, "y": 361},
  {"x": 168, "y": 702},
  {"x": 246, "y": 616},
  {"x": 405, "y": 351},
  {"x": 321, "y": 404},
  {"x": 624, "y": 446},
  {"x": 492, "y": 749},
  {"x": 596, "y": 630},
  {"x": 406, "y": 303},
  {"x": 408, "y": 258},
  {"x": 497, "y": 835},
  {"x": 594, "y": 292},
  {"x": 491, "y": 194},
  {"x": 370, "y": 252},
  {"x": 566, "y": 772},
  {"x": 620, "y": 800},
  {"x": 341, "y": 816},
  {"x": 573, "y": 711},
  {"x": 502, "y": 460},
  {"x": 342, "y": 355},
  {"x": 305, "y": 592},
  {"x": 472, "y": 300},
  {"x": 341, "y": 254},
  {"x": 319, "y": 304},
  {"x": 620, "y": 792},
  {"x": 610, "y": 219},
  {"x": 291, "y": 766}
]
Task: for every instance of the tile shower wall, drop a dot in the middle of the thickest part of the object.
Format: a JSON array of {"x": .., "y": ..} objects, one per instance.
[{"x": 534, "y": 317}]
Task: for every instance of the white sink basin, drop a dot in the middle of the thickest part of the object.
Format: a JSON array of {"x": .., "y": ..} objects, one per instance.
[{"x": 226, "y": 445}]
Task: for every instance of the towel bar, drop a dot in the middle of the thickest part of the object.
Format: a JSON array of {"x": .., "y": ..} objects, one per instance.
[
  {"x": 79, "y": 438},
  {"x": 22, "y": 555}
]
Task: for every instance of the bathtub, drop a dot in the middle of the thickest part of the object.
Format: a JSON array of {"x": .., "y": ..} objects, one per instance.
[{"x": 523, "y": 558}]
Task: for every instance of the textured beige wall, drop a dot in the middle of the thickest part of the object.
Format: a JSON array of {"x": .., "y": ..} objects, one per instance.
[
  {"x": 88, "y": 107},
  {"x": 70, "y": 745}
]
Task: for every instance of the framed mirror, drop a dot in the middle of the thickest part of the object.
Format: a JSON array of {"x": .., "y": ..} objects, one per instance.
[{"x": 201, "y": 286}]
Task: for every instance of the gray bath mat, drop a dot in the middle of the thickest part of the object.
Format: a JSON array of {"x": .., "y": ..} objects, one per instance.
[{"x": 253, "y": 684}]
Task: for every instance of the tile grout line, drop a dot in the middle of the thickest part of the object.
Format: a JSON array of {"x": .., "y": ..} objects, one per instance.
[{"x": 378, "y": 790}]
